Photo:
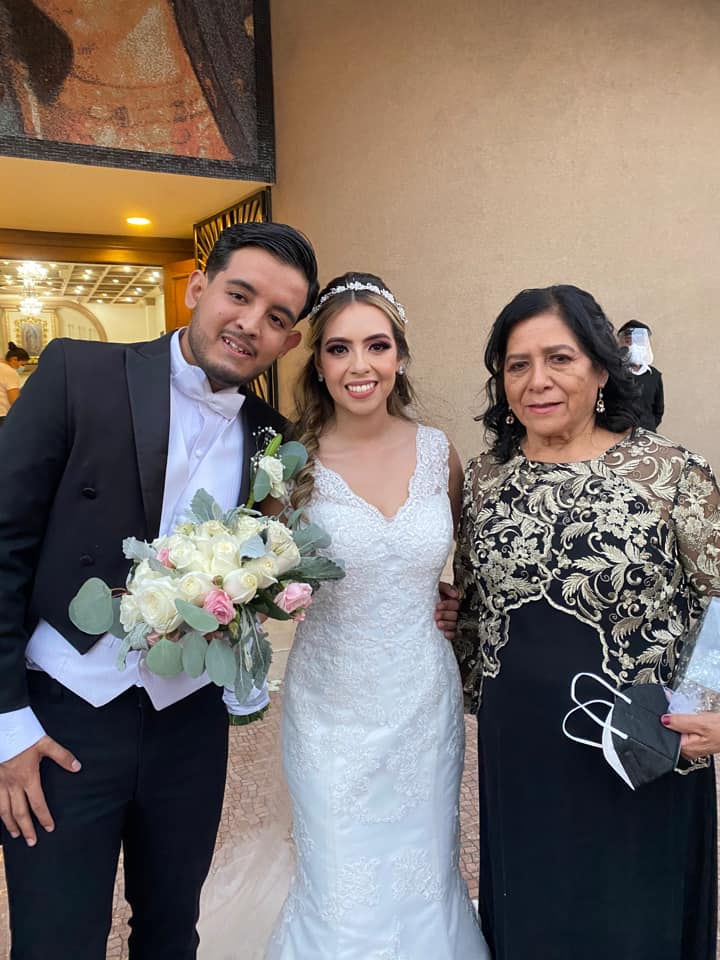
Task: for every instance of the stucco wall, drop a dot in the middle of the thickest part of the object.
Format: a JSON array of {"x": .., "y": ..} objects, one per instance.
[{"x": 467, "y": 149}]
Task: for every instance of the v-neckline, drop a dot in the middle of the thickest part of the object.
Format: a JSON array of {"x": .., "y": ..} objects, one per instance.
[{"x": 366, "y": 503}]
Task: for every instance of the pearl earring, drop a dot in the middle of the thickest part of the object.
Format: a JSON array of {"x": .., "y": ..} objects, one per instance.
[
  {"x": 401, "y": 370},
  {"x": 320, "y": 377}
]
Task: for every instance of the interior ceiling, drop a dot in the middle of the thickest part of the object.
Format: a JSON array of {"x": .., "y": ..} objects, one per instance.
[
  {"x": 71, "y": 198},
  {"x": 86, "y": 283}
]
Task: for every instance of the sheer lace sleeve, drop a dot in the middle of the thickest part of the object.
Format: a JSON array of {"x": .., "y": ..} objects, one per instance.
[
  {"x": 466, "y": 643},
  {"x": 696, "y": 517}
]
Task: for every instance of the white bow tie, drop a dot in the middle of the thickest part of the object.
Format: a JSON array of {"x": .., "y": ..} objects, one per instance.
[{"x": 191, "y": 382}]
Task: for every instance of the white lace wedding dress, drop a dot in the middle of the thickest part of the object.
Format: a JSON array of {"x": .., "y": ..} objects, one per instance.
[{"x": 373, "y": 739}]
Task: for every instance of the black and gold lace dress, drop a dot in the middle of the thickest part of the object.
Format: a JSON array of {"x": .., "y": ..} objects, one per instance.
[{"x": 593, "y": 566}]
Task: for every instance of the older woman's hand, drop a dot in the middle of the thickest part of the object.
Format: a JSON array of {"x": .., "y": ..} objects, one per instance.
[{"x": 700, "y": 732}]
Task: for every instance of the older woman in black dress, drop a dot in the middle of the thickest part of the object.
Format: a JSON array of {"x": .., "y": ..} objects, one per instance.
[{"x": 586, "y": 544}]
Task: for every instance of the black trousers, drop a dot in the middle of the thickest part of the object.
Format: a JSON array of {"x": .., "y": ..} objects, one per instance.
[{"x": 151, "y": 782}]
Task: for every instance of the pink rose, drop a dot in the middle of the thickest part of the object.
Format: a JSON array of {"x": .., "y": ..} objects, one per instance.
[
  {"x": 295, "y": 596},
  {"x": 164, "y": 558},
  {"x": 219, "y": 604}
]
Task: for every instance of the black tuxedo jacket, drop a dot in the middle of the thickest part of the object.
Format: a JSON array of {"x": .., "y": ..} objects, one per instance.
[{"x": 82, "y": 466}]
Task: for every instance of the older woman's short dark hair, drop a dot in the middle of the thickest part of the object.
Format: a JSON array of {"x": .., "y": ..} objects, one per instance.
[{"x": 593, "y": 331}]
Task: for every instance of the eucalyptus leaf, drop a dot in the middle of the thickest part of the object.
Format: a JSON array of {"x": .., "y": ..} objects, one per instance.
[
  {"x": 316, "y": 568},
  {"x": 135, "y": 549},
  {"x": 137, "y": 638},
  {"x": 117, "y": 629},
  {"x": 295, "y": 450},
  {"x": 261, "y": 485},
  {"x": 294, "y": 518},
  {"x": 158, "y": 567},
  {"x": 253, "y": 547},
  {"x": 291, "y": 465},
  {"x": 165, "y": 658},
  {"x": 194, "y": 650},
  {"x": 91, "y": 608},
  {"x": 196, "y": 617},
  {"x": 220, "y": 662}
]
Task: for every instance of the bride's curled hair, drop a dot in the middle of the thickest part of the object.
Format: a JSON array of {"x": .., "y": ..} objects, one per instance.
[{"x": 313, "y": 404}]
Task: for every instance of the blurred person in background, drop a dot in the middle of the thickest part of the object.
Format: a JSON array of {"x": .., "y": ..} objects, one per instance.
[
  {"x": 10, "y": 371},
  {"x": 635, "y": 336}
]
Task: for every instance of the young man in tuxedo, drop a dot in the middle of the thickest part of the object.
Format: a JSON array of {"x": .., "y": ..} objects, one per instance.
[{"x": 109, "y": 441}]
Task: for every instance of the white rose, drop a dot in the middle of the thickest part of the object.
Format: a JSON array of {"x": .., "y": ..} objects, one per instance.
[
  {"x": 274, "y": 469},
  {"x": 195, "y": 586},
  {"x": 224, "y": 556},
  {"x": 264, "y": 568},
  {"x": 280, "y": 541},
  {"x": 246, "y": 527},
  {"x": 156, "y": 603},
  {"x": 182, "y": 553},
  {"x": 240, "y": 586},
  {"x": 211, "y": 528},
  {"x": 129, "y": 613},
  {"x": 142, "y": 574}
]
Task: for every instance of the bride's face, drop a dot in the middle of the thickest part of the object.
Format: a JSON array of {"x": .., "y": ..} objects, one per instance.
[{"x": 359, "y": 359}]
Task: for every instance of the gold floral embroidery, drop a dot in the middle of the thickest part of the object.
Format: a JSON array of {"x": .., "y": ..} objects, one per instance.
[{"x": 629, "y": 544}]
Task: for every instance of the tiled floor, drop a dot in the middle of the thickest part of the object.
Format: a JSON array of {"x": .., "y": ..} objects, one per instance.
[{"x": 249, "y": 802}]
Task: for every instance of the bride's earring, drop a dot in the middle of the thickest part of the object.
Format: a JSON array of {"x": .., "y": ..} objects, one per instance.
[
  {"x": 320, "y": 376},
  {"x": 510, "y": 418},
  {"x": 401, "y": 370}
]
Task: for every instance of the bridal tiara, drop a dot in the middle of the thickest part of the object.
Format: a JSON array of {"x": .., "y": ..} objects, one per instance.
[{"x": 357, "y": 285}]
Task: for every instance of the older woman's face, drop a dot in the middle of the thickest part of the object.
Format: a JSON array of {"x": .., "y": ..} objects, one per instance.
[{"x": 550, "y": 383}]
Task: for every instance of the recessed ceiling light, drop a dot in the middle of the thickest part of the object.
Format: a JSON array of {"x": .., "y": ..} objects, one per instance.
[
  {"x": 115, "y": 280},
  {"x": 138, "y": 221},
  {"x": 127, "y": 269}
]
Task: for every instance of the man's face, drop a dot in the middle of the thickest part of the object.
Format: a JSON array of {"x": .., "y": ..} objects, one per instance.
[{"x": 243, "y": 319}]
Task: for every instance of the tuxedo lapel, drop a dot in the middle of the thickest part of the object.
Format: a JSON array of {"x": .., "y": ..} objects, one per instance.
[{"x": 148, "y": 378}]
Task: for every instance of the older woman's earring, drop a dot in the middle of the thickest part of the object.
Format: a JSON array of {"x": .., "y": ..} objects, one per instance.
[
  {"x": 600, "y": 405},
  {"x": 510, "y": 418},
  {"x": 320, "y": 377}
]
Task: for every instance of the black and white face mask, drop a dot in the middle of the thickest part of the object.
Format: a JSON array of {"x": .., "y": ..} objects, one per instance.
[{"x": 634, "y": 742}]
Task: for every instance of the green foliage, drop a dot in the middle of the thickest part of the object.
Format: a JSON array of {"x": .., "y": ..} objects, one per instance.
[
  {"x": 202, "y": 507},
  {"x": 117, "y": 629},
  {"x": 310, "y": 537},
  {"x": 196, "y": 617},
  {"x": 264, "y": 603},
  {"x": 194, "y": 651},
  {"x": 294, "y": 457},
  {"x": 253, "y": 547},
  {"x": 137, "y": 550},
  {"x": 316, "y": 568},
  {"x": 261, "y": 486},
  {"x": 91, "y": 609},
  {"x": 220, "y": 662},
  {"x": 165, "y": 658}
]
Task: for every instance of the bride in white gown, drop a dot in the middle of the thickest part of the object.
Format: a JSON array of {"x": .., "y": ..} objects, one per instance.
[{"x": 372, "y": 729}]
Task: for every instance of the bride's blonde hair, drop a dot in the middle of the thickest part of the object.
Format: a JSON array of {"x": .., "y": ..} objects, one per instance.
[{"x": 313, "y": 404}]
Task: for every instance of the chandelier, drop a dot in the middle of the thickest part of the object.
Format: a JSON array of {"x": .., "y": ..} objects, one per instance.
[{"x": 31, "y": 274}]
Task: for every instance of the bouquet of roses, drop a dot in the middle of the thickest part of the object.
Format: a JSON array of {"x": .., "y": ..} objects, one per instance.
[{"x": 192, "y": 598}]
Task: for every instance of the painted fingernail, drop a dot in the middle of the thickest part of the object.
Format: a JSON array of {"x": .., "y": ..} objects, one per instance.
[
  {"x": 31, "y": 842},
  {"x": 665, "y": 719}
]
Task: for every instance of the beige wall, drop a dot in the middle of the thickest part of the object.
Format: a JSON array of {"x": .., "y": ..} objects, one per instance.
[{"x": 470, "y": 148}]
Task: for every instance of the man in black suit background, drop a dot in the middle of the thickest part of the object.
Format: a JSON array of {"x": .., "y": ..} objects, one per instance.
[{"x": 109, "y": 441}]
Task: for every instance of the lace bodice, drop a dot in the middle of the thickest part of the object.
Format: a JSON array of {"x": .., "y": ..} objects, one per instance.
[{"x": 393, "y": 565}]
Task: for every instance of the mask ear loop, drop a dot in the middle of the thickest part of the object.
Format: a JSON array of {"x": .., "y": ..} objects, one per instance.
[
  {"x": 601, "y": 680},
  {"x": 593, "y": 716}
]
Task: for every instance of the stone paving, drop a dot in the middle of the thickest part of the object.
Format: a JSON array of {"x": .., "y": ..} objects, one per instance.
[{"x": 249, "y": 803}]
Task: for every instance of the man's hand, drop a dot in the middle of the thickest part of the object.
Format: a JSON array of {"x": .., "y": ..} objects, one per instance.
[
  {"x": 700, "y": 733},
  {"x": 446, "y": 611},
  {"x": 21, "y": 791}
]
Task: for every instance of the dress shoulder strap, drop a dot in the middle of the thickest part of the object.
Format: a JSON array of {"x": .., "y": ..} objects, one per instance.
[{"x": 431, "y": 472}]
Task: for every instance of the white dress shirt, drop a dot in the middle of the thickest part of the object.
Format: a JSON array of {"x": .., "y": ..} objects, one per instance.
[{"x": 205, "y": 449}]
